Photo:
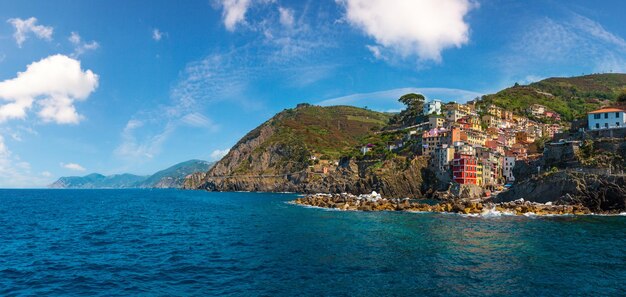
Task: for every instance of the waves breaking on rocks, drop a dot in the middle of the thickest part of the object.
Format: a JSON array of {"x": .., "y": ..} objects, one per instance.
[{"x": 469, "y": 208}]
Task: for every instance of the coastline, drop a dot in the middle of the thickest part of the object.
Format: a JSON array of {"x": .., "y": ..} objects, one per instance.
[{"x": 374, "y": 202}]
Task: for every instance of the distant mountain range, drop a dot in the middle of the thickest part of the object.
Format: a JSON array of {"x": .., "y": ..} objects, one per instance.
[{"x": 172, "y": 177}]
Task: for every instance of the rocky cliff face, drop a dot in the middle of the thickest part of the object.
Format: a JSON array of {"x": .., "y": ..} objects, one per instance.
[
  {"x": 391, "y": 179},
  {"x": 275, "y": 157},
  {"x": 193, "y": 181},
  {"x": 598, "y": 192},
  {"x": 586, "y": 172}
]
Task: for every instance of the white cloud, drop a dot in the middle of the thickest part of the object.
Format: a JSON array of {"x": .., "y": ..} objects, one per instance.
[
  {"x": 408, "y": 28},
  {"x": 196, "y": 119},
  {"x": 218, "y": 154},
  {"x": 388, "y": 99},
  {"x": 81, "y": 47},
  {"x": 234, "y": 12},
  {"x": 46, "y": 174},
  {"x": 376, "y": 51},
  {"x": 286, "y": 16},
  {"x": 23, "y": 28},
  {"x": 15, "y": 173},
  {"x": 576, "y": 40},
  {"x": 53, "y": 84},
  {"x": 73, "y": 166},
  {"x": 157, "y": 34},
  {"x": 142, "y": 142}
]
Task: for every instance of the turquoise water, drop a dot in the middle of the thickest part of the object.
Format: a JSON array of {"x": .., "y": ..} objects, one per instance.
[{"x": 167, "y": 242}]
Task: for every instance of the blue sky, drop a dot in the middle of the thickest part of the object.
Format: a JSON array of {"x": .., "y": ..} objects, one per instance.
[{"x": 136, "y": 86}]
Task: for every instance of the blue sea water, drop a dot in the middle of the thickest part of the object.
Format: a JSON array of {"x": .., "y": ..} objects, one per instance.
[{"x": 182, "y": 243}]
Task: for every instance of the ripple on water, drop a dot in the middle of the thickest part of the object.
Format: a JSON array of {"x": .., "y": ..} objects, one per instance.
[{"x": 135, "y": 242}]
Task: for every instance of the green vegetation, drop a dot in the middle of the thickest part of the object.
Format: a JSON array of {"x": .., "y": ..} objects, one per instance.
[
  {"x": 621, "y": 98},
  {"x": 413, "y": 112},
  {"x": 592, "y": 155},
  {"x": 571, "y": 97},
  {"x": 326, "y": 131}
]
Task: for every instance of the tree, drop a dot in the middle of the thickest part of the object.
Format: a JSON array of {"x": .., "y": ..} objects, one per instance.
[
  {"x": 621, "y": 98},
  {"x": 414, "y": 106},
  {"x": 413, "y": 101}
]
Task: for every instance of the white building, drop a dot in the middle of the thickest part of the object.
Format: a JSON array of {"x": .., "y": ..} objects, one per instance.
[
  {"x": 606, "y": 118},
  {"x": 443, "y": 155},
  {"x": 432, "y": 106},
  {"x": 507, "y": 169}
]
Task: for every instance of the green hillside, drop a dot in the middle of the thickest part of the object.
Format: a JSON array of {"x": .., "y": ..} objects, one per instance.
[
  {"x": 98, "y": 181},
  {"x": 571, "y": 97},
  {"x": 174, "y": 176},
  {"x": 326, "y": 131},
  {"x": 286, "y": 142}
]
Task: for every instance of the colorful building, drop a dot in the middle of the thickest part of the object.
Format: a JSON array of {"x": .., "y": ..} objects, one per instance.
[{"x": 464, "y": 166}]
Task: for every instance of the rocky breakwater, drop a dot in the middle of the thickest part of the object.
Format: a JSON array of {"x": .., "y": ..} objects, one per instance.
[{"x": 374, "y": 202}]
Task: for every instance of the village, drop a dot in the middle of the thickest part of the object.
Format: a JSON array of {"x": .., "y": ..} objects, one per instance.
[{"x": 474, "y": 144}]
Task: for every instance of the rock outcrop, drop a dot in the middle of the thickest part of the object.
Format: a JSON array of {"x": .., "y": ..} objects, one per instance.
[
  {"x": 598, "y": 192},
  {"x": 194, "y": 180},
  {"x": 519, "y": 207},
  {"x": 393, "y": 178}
]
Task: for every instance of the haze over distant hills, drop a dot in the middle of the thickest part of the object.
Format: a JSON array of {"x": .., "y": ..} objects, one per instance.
[{"x": 172, "y": 177}]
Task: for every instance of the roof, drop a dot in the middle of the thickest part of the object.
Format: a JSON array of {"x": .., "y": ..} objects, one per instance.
[{"x": 607, "y": 110}]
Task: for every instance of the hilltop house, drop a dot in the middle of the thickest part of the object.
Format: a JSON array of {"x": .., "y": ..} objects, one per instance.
[
  {"x": 606, "y": 118},
  {"x": 432, "y": 106},
  {"x": 367, "y": 148},
  {"x": 537, "y": 110}
]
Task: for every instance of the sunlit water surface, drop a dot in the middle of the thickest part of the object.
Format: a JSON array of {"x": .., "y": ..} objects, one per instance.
[{"x": 168, "y": 242}]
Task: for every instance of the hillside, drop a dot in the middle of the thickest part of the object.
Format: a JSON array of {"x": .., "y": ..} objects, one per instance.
[
  {"x": 172, "y": 177},
  {"x": 286, "y": 142},
  {"x": 98, "y": 181},
  {"x": 571, "y": 97},
  {"x": 276, "y": 156}
]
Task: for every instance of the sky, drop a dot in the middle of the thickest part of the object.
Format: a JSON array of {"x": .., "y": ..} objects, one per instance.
[{"x": 137, "y": 86}]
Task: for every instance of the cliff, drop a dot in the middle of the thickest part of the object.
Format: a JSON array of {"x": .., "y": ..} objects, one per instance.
[
  {"x": 587, "y": 172},
  {"x": 597, "y": 191},
  {"x": 277, "y": 157}
]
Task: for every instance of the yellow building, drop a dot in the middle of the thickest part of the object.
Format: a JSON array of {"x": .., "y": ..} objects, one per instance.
[
  {"x": 435, "y": 121},
  {"x": 475, "y": 123},
  {"x": 475, "y": 138},
  {"x": 495, "y": 111},
  {"x": 492, "y": 121},
  {"x": 479, "y": 174}
]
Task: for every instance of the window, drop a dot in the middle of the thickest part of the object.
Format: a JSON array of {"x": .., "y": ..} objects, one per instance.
[
  {"x": 596, "y": 116},
  {"x": 606, "y": 125},
  {"x": 617, "y": 124},
  {"x": 597, "y": 126},
  {"x": 606, "y": 115},
  {"x": 617, "y": 114}
]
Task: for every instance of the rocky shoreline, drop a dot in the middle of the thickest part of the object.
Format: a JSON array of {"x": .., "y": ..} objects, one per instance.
[{"x": 374, "y": 202}]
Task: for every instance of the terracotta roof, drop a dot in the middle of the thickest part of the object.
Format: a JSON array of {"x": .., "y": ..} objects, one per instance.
[{"x": 607, "y": 110}]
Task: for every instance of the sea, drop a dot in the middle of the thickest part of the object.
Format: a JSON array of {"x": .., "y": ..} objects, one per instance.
[{"x": 197, "y": 243}]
